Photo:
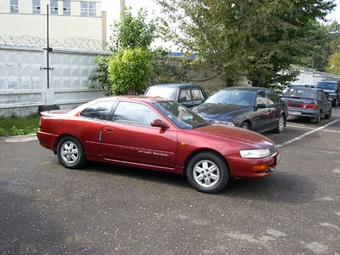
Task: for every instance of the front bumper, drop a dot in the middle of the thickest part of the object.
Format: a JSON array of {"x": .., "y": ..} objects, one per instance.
[{"x": 253, "y": 168}]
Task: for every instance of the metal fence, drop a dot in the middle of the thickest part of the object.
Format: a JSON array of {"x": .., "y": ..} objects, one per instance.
[{"x": 69, "y": 43}]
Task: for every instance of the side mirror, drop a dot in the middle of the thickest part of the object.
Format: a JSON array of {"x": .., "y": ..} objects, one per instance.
[
  {"x": 260, "y": 106},
  {"x": 159, "y": 123}
]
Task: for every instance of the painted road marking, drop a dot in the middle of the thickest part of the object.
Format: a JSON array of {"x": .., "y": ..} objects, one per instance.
[{"x": 307, "y": 134}]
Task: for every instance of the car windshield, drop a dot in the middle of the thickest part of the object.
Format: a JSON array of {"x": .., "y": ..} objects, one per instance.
[
  {"x": 326, "y": 85},
  {"x": 161, "y": 91},
  {"x": 303, "y": 93},
  {"x": 180, "y": 116},
  {"x": 234, "y": 97}
]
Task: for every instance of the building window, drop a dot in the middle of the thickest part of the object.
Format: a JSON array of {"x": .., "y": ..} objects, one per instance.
[
  {"x": 36, "y": 6},
  {"x": 54, "y": 7},
  {"x": 14, "y": 6},
  {"x": 87, "y": 9},
  {"x": 67, "y": 8}
]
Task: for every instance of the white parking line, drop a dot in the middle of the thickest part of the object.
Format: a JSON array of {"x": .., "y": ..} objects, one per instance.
[
  {"x": 302, "y": 126},
  {"x": 306, "y": 134}
]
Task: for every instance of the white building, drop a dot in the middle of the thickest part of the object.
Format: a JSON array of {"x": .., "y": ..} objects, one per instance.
[{"x": 66, "y": 23}]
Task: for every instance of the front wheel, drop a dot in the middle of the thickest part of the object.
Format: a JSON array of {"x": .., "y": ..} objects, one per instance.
[
  {"x": 71, "y": 153},
  {"x": 335, "y": 103},
  {"x": 245, "y": 125},
  {"x": 207, "y": 172}
]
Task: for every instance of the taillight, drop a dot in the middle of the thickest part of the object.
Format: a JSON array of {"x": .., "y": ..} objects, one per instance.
[
  {"x": 310, "y": 106},
  {"x": 303, "y": 105}
]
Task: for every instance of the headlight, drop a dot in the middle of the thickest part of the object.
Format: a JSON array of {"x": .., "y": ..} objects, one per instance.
[
  {"x": 255, "y": 153},
  {"x": 226, "y": 123}
]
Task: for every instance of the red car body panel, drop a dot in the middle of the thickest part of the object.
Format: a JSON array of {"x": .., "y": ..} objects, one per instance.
[{"x": 152, "y": 147}]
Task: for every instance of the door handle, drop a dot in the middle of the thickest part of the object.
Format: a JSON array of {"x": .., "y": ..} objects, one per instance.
[{"x": 109, "y": 130}]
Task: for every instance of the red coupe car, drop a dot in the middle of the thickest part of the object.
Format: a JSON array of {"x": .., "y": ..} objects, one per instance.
[{"x": 156, "y": 134}]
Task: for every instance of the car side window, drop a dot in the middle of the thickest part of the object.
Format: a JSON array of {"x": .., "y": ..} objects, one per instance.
[
  {"x": 272, "y": 99},
  {"x": 196, "y": 93},
  {"x": 99, "y": 110},
  {"x": 261, "y": 98},
  {"x": 322, "y": 96},
  {"x": 134, "y": 113},
  {"x": 184, "y": 95}
]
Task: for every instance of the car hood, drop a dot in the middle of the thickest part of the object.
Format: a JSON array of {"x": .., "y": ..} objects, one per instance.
[
  {"x": 220, "y": 112},
  {"x": 329, "y": 90},
  {"x": 248, "y": 138}
]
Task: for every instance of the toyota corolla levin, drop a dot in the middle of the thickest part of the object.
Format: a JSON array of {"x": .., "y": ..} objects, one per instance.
[{"x": 156, "y": 134}]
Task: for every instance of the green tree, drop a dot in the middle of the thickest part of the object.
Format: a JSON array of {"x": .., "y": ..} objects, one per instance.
[
  {"x": 100, "y": 79},
  {"x": 253, "y": 39},
  {"x": 334, "y": 59},
  {"x": 129, "y": 71},
  {"x": 133, "y": 65},
  {"x": 131, "y": 32},
  {"x": 334, "y": 64},
  {"x": 322, "y": 38}
]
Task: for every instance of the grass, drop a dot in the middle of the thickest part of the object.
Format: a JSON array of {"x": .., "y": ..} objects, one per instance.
[{"x": 14, "y": 126}]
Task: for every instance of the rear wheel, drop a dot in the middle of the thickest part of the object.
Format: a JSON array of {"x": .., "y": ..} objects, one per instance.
[
  {"x": 280, "y": 124},
  {"x": 207, "y": 172},
  {"x": 71, "y": 153},
  {"x": 329, "y": 115},
  {"x": 316, "y": 119}
]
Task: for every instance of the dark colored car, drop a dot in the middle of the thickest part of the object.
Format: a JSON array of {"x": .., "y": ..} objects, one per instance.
[
  {"x": 156, "y": 134},
  {"x": 188, "y": 95},
  {"x": 331, "y": 89},
  {"x": 311, "y": 103},
  {"x": 255, "y": 108},
  {"x": 295, "y": 86}
]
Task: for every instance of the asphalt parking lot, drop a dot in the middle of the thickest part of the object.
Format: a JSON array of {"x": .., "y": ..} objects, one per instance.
[{"x": 105, "y": 209}]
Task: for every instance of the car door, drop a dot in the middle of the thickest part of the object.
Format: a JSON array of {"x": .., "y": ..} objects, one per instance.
[
  {"x": 323, "y": 102},
  {"x": 275, "y": 107},
  {"x": 261, "y": 115},
  {"x": 88, "y": 127},
  {"x": 128, "y": 136}
]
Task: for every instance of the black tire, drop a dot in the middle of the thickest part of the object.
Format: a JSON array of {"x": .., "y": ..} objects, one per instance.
[
  {"x": 245, "y": 125},
  {"x": 317, "y": 119},
  {"x": 207, "y": 172},
  {"x": 335, "y": 103},
  {"x": 281, "y": 124},
  {"x": 71, "y": 153},
  {"x": 329, "y": 115}
]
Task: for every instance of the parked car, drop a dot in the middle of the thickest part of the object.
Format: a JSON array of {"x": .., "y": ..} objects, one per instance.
[
  {"x": 189, "y": 95},
  {"x": 255, "y": 108},
  {"x": 295, "y": 86},
  {"x": 332, "y": 90},
  {"x": 310, "y": 103},
  {"x": 156, "y": 134}
]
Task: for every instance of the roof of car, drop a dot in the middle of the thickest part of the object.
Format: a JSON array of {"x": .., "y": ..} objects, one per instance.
[
  {"x": 134, "y": 98},
  {"x": 245, "y": 88},
  {"x": 176, "y": 85},
  {"x": 310, "y": 89}
]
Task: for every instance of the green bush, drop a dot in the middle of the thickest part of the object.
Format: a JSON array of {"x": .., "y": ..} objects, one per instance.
[{"x": 14, "y": 126}]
